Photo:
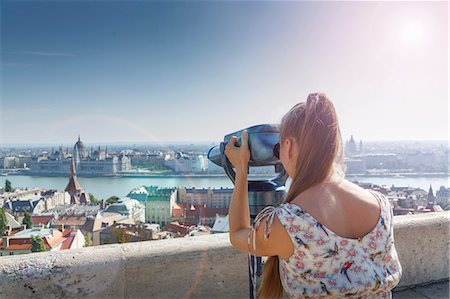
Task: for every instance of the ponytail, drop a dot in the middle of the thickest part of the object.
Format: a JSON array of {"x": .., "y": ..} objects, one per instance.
[{"x": 314, "y": 127}]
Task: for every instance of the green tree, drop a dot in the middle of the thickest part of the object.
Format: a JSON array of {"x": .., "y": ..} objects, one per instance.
[
  {"x": 88, "y": 240},
  {"x": 112, "y": 199},
  {"x": 93, "y": 199},
  {"x": 37, "y": 244},
  {"x": 27, "y": 220},
  {"x": 3, "y": 222},
  {"x": 8, "y": 186}
]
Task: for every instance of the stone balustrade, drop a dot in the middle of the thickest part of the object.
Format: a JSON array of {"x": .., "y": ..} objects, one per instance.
[{"x": 196, "y": 267}]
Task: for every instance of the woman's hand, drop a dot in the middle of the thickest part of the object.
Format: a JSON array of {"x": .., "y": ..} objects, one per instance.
[{"x": 238, "y": 156}]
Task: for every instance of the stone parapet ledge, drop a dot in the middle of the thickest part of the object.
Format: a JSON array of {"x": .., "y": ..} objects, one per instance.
[
  {"x": 423, "y": 244},
  {"x": 196, "y": 267}
]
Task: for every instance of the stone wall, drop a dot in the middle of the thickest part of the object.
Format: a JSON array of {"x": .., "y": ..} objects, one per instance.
[
  {"x": 423, "y": 244},
  {"x": 196, "y": 267}
]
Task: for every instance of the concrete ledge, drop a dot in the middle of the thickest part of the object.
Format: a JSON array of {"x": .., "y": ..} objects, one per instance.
[
  {"x": 422, "y": 243},
  {"x": 197, "y": 267}
]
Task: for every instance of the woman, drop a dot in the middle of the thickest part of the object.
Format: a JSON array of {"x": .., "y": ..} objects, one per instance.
[{"x": 330, "y": 237}]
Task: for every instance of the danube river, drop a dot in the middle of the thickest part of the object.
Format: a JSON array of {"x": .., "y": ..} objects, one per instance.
[{"x": 104, "y": 187}]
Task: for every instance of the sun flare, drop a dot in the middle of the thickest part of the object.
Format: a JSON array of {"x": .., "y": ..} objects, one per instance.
[{"x": 412, "y": 32}]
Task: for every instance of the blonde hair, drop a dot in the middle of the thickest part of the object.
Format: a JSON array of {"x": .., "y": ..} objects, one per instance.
[{"x": 313, "y": 125}]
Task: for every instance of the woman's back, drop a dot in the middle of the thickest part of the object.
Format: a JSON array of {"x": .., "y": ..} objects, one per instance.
[
  {"x": 332, "y": 258},
  {"x": 327, "y": 200}
]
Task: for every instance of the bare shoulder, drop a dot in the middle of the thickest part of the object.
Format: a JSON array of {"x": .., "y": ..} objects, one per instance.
[{"x": 346, "y": 208}]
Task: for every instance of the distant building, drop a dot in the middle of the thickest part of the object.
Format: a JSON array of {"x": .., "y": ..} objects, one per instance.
[
  {"x": 177, "y": 229},
  {"x": 210, "y": 197},
  {"x": 20, "y": 242},
  {"x": 80, "y": 152},
  {"x": 350, "y": 147},
  {"x": 129, "y": 208},
  {"x": 44, "y": 221},
  {"x": 35, "y": 203},
  {"x": 198, "y": 214},
  {"x": 20, "y": 207},
  {"x": 16, "y": 161},
  {"x": 150, "y": 160},
  {"x": 7, "y": 162},
  {"x": 74, "y": 216},
  {"x": 183, "y": 163},
  {"x": 221, "y": 225},
  {"x": 11, "y": 222},
  {"x": 87, "y": 163},
  {"x": 124, "y": 233},
  {"x": 420, "y": 160},
  {"x": 158, "y": 203},
  {"x": 355, "y": 166},
  {"x": 89, "y": 219},
  {"x": 181, "y": 230},
  {"x": 22, "y": 194},
  {"x": 53, "y": 198},
  {"x": 381, "y": 161},
  {"x": 443, "y": 196}
]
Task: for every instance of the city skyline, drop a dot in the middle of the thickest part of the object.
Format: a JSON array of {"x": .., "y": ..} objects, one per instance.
[
  {"x": 164, "y": 144},
  {"x": 151, "y": 72}
]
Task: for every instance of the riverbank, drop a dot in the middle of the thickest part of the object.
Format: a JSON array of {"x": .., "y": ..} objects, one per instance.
[
  {"x": 180, "y": 175},
  {"x": 104, "y": 187}
]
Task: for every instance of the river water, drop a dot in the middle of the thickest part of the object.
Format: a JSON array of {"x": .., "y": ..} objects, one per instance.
[{"x": 104, "y": 187}]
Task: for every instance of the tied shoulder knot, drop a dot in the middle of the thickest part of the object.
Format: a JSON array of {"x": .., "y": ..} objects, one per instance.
[{"x": 268, "y": 213}]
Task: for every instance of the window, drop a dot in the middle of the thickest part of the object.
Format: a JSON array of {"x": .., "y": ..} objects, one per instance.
[{"x": 11, "y": 253}]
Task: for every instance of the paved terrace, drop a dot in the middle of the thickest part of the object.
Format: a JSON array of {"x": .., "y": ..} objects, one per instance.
[{"x": 203, "y": 267}]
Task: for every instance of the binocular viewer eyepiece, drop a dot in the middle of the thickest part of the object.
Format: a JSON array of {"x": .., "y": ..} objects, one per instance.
[{"x": 264, "y": 147}]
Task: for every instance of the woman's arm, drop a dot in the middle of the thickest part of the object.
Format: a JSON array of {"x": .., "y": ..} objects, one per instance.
[
  {"x": 239, "y": 212},
  {"x": 279, "y": 242}
]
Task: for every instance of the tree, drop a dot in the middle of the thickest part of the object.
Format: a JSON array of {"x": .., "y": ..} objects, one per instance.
[
  {"x": 8, "y": 186},
  {"x": 37, "y": 244},
  {"x": 93, "y": 199},
  {"x": 3, "y": 222},
  {"x": 88, "y": 240},
  {"x": 27, "y": 220},
  {"x": 112, "y": 199}
]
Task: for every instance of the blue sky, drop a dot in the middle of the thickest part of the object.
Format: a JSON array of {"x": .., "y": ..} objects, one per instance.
[{"x": 195, "y": 71}]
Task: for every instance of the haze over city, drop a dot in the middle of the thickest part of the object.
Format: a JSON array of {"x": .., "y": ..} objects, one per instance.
[{"x": 193, "y": 72}]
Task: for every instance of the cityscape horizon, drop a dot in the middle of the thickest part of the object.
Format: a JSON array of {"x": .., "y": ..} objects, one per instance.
[{"x": 166, "y": 143}]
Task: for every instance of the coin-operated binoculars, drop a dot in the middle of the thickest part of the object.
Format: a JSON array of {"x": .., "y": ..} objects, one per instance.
[{"x": 264, "y": 146}]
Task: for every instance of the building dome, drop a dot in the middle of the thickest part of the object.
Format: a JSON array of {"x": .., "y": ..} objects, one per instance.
[
  {"x": 80, "y": 145},
  {"x": 80, "y": 150}
]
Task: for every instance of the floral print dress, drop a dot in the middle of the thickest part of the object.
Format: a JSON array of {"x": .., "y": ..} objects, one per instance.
[{"x": 326, "y": 265}]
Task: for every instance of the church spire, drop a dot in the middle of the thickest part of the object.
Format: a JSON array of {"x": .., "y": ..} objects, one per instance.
[
  {"x": 73, "y": 172},
  {"x": 431, "y": 198},
  {"x": 73, "y": 185}
]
